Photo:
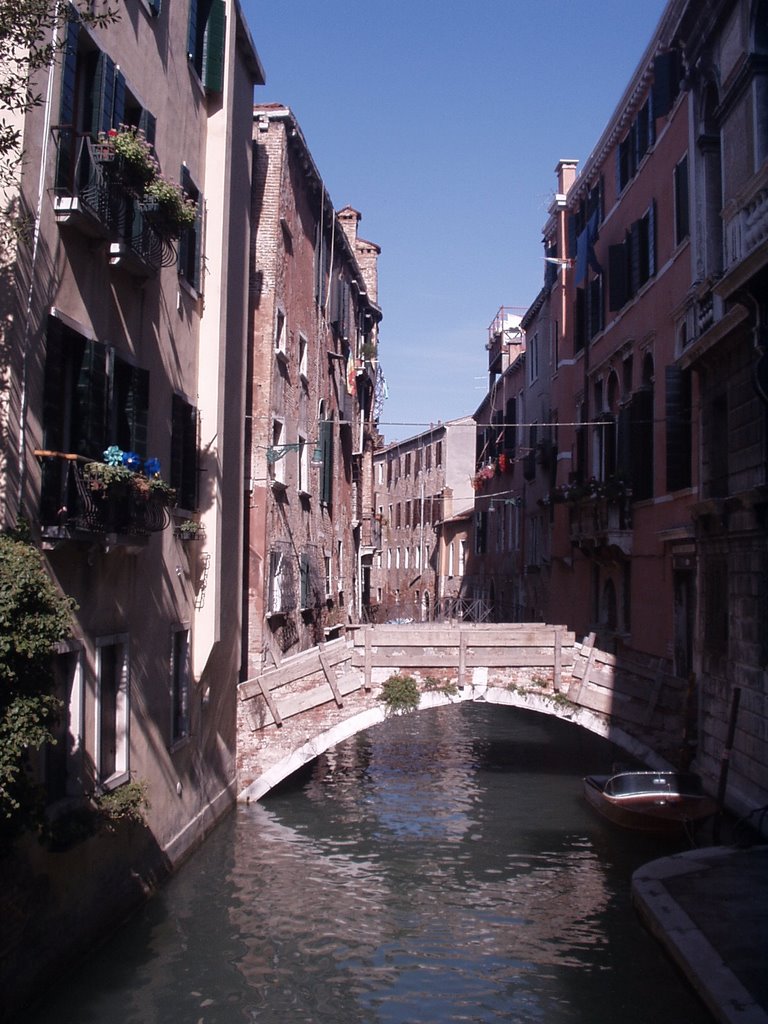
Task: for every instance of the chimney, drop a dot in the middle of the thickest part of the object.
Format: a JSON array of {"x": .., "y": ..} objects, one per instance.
[{"x": 566, "y": 175}]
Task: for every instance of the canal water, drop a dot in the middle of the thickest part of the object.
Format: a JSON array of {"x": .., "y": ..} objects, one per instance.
[{"x": 443, "y": 866}]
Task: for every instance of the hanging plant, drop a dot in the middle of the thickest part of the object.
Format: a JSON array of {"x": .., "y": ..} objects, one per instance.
[
  {"x": 130, "y": 157},
  {"x": 167, "y": 203}
]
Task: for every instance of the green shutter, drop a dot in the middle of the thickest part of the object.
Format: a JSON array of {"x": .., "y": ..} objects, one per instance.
[
  {"x": 66, "y": 140},
  {"x": 118, "y": 105},
  {"x": 148, "y": 125},
  {"x": 679, "y": 427},
  {"x": 326, "y": 476},
  {"x": 103, "y": 94},
  {"x": 89, "y": 420},
  {"x": 213, "y": 48}
]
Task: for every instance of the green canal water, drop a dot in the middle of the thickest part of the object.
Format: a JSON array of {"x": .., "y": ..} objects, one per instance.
[{"x": 441, "y": 867}]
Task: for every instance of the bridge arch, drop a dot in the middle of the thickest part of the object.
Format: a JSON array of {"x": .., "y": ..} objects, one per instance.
[{"x": 359, "y": 720}]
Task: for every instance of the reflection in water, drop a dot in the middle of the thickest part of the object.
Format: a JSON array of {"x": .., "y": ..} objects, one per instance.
[{"x": 440, "y": 867}]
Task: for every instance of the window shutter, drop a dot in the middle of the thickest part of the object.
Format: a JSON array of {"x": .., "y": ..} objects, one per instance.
[
  {"x": 55, "y": 389},
  {"x": 635, "y": 257},
  {"x": 90, "y": 415},
  {"x": 666, "y": 82},
  {"x": 304, "y": 578},
  {"x": 118, "y": 105},
  {"x": 572, "y": 236},
  {"x": 130, "y": 407},
  {"x": 326, "y": 446},
  {"x": 624, "y": 444},
  {"x": 103, "y": 94},
  {"x": 192, "y": 31},
  {"x": 213, "y": 48},
  {"x": 682, "y": 222},
  {"x": 650, "y": 218},
  {"x": 641, "y": 444},
  {"x": 678, "y": 420},
  {"x": 184, "y": 475},
  {"x": 148, "y": 124},
  {"x": 67, "y": 142}
]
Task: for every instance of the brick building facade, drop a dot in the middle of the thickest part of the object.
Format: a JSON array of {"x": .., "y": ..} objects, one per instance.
[{"x": 312, "y": 396}]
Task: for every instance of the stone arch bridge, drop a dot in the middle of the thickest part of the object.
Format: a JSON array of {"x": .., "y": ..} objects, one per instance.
[{"x": 300, "y": 708}]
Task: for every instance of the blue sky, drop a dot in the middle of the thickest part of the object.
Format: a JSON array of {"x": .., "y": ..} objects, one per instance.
[{"x": 442, "y": 124}]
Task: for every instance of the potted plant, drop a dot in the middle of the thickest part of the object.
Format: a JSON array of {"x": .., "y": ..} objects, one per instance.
[
  {"x": 189, "y": 529},
  {"x": 167, "y": 203},
  {"x": 129, "y": 156}
]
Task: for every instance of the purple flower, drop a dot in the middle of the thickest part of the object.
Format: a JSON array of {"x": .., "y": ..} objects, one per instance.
[{"x": 132, "y": 461}]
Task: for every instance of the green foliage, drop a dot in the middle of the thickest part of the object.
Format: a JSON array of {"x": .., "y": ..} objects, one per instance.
[
  {"x": 438, "y": 686},
  {"x": 400, "y": 694},
  {"x": 32, "y": 33},
  {"x": 126, "y": 803},
  {"x": 34, "y": 616}
]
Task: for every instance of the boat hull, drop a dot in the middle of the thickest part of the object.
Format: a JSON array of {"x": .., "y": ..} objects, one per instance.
[{"x": 668, "y": 812}]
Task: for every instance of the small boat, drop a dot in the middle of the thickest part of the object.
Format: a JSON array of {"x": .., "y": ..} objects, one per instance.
[{"x": 649, "y": 801}]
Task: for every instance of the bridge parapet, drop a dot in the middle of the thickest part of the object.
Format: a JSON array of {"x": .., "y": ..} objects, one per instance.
[{"x": 291, "y": 713}]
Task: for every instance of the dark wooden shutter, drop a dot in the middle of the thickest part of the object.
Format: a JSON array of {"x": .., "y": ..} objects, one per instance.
[
  {"x": 184, "y": 475},
  {"x": 192, "y": 32},
  {"x": 624, "y": 445},
  {"x": 213, "y": 48},
  {"x": 304, "y": 580},
  {"x": 650, "y": 219},
  {"x": 666, "y": 82},
  {"x": 130, "y": 407},
  {"x": 641, "y": 444},
  {"x": 148, "y": 124},
  {"x": 617, "y": 276},
  {"x": 682, "y": 220},
  {"x": 103, "y": 94},
  {"x": 65, "y": 156},
  {"x": 326, "y": 473},
  {"x": 88, "y": 426},
  {"x": 118, "y": 106},
  {"x": 678, "y": 420}
]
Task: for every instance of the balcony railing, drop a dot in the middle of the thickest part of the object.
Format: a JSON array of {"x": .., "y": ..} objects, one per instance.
[
  {"x": 600, "y": 522},
  {"x": 75, "y": 507},
  {"x": 97, "y": 203}
]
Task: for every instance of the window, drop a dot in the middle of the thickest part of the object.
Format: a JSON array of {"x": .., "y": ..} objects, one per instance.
[
  {"x": 481, "y": 528},
  {"x": 450, "y": 560},
  {"x": 303, "y": 363},
  {"x": 277, "y": 460},
  {"x": 595, "y": 318},
  {"x": 303, "y": 461},
  {"x": 462, "y": 556},
  {"x": 438, "y": 454},
  {"x": 632, "y": 262},
  {"x": 326, "y": 450},
  {"x": 205, "y": 42},
  {"x": 327, "y": 574},
  {"x": 191, "y": 239},
  {"x": 281, "y": 597},
  {"x": 532, "y": 358},
  {"x": 407, "y": 521},
  {"x": 397, "y": 558},
  {"x": 679, "y": 427},
  {"x": 407, "y": 464},
  {"x": 112, "y": 710},
  {"x": 680, "y": 184},
  {"x": 406, "y": 557},
  {"x": 93, "y": 397},
  {"x": 94, "y": 97},
  {"x": 428, "y": 457},
  {"x": 305, "y": 578},
  {"x": 184, "y": 474},
  {"x": 281, "y": 334},
  {"x": 398, "y": 510},
  {"x": 179, "y": 684}
]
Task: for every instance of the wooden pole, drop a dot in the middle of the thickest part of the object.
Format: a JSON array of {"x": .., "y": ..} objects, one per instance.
[{"x": 725, "y": 761}]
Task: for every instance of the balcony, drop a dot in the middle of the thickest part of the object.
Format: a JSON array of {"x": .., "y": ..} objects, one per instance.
[
  {"x": 97, "y": 204},
  {"x": 76, "y": 507},
  {"x": 602, "y": 523}
]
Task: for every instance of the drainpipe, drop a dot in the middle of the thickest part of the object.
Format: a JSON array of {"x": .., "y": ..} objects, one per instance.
[{"x": 24, "y": 398}]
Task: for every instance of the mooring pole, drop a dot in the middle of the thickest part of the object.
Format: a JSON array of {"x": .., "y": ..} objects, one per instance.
[{"x": 725, "y": 761}]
